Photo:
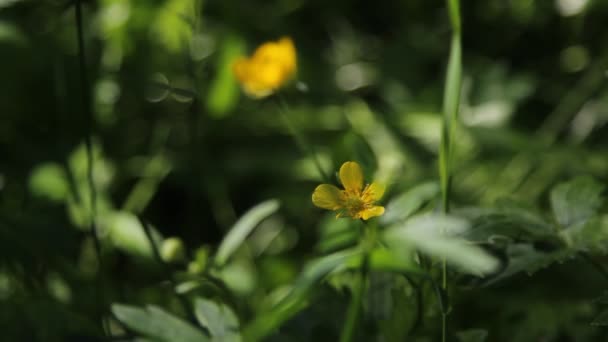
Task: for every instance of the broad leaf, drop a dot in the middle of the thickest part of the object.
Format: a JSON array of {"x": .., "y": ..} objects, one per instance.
[
  {"x": 425, "y": 234},
  {"x": 218, "y": 318},
  {"x": 588, "y": 236},
  {"x": 155, "y": 323},
  {"x": 523, "y": 257}
]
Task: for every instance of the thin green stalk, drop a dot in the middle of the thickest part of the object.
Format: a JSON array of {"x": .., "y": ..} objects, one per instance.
[
  {"x": 451, "y": 103},
  {"x": 166, "y": 269},
  {"x": 355, "y": 306},
  {"x": 368, "y": 240},
  {"x": 300, "y": 139},
  {"x": 86, "y": 99}
]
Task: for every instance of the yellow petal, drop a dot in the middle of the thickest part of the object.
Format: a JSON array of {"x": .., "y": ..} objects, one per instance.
[
  {"x": 373, "y": 192},
  {"x": 288, "y": 55},
  {"x": 327, "y": 196},
  {"x": 371, "y": 212},
  {"x": 271, "y": 66},
  {"x": 351, "y": 177}
]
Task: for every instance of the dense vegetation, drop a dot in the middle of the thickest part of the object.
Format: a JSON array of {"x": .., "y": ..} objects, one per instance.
[{"x": 153, "y": 188}]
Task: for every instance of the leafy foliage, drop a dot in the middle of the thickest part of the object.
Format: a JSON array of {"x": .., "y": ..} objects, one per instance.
[{"x": 150, "y": 218}]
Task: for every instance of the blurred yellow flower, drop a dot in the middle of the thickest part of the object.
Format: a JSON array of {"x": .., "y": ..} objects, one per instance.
[
  {"x": 355, "y": 200},
  {"x": 271, "y": 66}
]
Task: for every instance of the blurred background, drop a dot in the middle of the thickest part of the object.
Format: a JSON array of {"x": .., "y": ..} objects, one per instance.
[{"x": 178, "y": 146}]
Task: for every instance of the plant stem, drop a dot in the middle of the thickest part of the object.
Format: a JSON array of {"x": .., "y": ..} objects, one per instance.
[
  {"x": 451, "y": 103},
  {"x": 300, "y": 139},
  {"x": 86, "y": 99},
  {"x": 183, "y": 300},
  {"x": 367, "y": 242}
]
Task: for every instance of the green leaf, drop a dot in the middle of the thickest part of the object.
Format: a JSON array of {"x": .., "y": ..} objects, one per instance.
[
  {"x": 297, "y": 299},
  {"x": 319, "y": 268},
  {"x": 405, "y": 303},
  {"x": 155, "y": 323},
  {"x": 425, "y": 234},
  {"x": 576, "y": 201},
  {"x": 407, "y": 203},
  {"x": 390, "y": 260},
  {"x": 224, "y": 92},
  {"x": 241, "y": 229},
  {"x": 513, "y": 222},
  {"x": 523, "y": 257},
  {"x": 49, "y": 180},
  {"x": 589, "y": 236},
  {"x": 173, "y": 24},
  {"x": 335, "y": 234},
  {"x": 127, "y": 234},
  {"x": 218, "y": 318},
  {"x": 472, "y": 335},
  {"x": 153, "y": 172}
]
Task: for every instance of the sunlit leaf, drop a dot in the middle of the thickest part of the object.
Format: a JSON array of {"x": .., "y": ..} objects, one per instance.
[
  {"x": 218, "y": 318},
  {"x": 224, "y": 92},
  {"x": 127, "y": 234},
  {"x": 241, "y": 229},
  {"x": 407, "y": 203},
  {"x": 425, "y": 234},
  {"x": 589, "y": 236},
  {"x": 174, "y": 23},
  {"x": 50, "y": 181},
  {"x": 576, "y": 201},
  {"x": 156, "y": 323}
]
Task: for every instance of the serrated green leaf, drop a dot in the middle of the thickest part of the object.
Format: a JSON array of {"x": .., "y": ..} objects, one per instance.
[
  {"x": 153, "y": 322},
  {"x": 588, "y": 236},
  {"x": 576, "y": 201},
  {"x": 519, "y": 223},
  {"x": 523, "y": 257},
  {"x": 241, "y": 229}
]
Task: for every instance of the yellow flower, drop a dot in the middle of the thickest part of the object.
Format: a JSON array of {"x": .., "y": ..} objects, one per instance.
[
  {"x": 271, "y": 65},
  {"x": 355, "y": 200}
]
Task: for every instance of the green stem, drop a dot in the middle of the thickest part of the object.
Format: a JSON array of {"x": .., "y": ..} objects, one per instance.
[
  {"x": 353, "y": 314},
  {"x": 86, "y": 99},
  {"x": 451, "y": 104},
  {"x": 300, "y": 139},
  {"x": 155, "y": 251}
]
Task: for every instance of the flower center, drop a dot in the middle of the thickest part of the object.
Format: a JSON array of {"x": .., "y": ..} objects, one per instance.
[{"x": 354, "y": 203}]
